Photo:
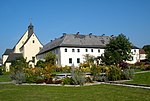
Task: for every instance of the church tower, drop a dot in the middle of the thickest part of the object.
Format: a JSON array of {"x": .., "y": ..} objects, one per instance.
[{"x": 30, "y": 30}]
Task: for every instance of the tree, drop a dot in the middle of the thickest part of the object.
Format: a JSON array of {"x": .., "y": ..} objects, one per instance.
[
  {"x": 40, "y": 64},
  {"x": 89, "y": 59},
  {"x": 17, "y": 70},
  {"x": 50, "y": 58},
  {"x": 147, "y": 51},
  {"x": 117, "y": 51}
]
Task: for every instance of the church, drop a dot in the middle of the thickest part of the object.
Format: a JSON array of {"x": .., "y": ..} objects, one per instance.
[{"x": 28, "y": 46}]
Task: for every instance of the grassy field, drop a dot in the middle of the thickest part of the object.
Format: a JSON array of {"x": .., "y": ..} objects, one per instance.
[
  {"x": 4, "y": 78},
  {"x": 10, "y": 92},
  {"x": 141, "y": 78}
]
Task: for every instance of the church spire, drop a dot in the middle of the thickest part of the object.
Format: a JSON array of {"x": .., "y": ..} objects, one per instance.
[{"x": 30, "y": 29}]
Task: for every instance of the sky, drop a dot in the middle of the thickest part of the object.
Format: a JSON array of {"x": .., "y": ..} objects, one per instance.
[{"x": 51, "y": 18}]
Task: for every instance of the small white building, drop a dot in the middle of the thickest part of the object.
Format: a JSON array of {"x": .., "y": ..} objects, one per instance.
[
  {"x": 70, "y": 49},
  {"x": 142, "y": 54},
  {"x": 27, "y": 46}
]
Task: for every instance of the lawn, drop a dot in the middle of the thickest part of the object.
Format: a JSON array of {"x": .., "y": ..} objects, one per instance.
[
  {"x": 9, "y": 92},
  {"x": 4, "y": 78},
  {"x": 141, "y": 78}
]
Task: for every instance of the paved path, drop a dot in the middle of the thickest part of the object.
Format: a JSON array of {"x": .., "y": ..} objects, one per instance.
[
  {"x": 5, "y": 82},
  {"x": 127, "y": 85},
  {"x": 142, "y": 72}
]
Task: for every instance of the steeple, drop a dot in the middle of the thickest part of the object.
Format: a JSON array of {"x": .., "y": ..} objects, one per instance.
[{"x": 30, "y": 29}]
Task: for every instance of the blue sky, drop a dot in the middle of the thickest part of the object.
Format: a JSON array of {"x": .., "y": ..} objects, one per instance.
[{"x": 51, "y": 18}]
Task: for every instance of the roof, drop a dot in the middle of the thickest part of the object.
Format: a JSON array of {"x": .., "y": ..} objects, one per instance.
[
  {"x": 14, "y": 56},
  {"x": 77, "y": 40},
  {"x": 135, "y": 47},
  {"x": 1, "y": 61},
  {"x": 8, "y": 51},
  {"x": 30, "y": 33},
  {"x": 141, "y": 51}
]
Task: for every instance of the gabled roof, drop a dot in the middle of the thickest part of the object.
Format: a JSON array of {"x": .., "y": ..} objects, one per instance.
[
  {"x": 8, "y": 51},
  {"x": 1, "y": 61},
  {"x": 77, "y": 40},
  {"x": 28, "y": 39},
  {"x": 14, "y": 56},
  {"x": 141, "y": 51}
]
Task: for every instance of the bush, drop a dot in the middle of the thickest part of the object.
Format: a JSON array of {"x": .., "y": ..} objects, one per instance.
[
  {"x": 127, "y": 74},
  {"x": 34, "y": 75},
  {"x": 67, "y": 81},
  {"x": 18, "y": 76},
  {"x": 78, "y": 76},
  {"x": 96, "y": 72},
  {"x": 114, "y": 73},
  {"x": 66, "y": 69},
  {"x": 88, "y": 80}
]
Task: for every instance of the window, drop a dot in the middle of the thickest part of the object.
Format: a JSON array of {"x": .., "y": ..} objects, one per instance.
[
  {"x": 33, "y": 41},
  {"x": 65, "y": 49},
  {"x": 134, "y": 50},
  {"x": 78, "y": 60},
  {"x": 33, "y": 59},
  {"x": 86, "y": 50},
  {"x": 56, "y": 51},
  {"x": 91, "y": 50},
  {"x": 78, "y": 50},
  {"x": 70, "y": 60},
  {"x": 98, "y": 50},
  {"x": 40, "y": 48},
  {"x": 73, "y": 50}
]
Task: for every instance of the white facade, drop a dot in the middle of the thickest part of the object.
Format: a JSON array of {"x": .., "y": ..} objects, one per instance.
[
  {"x": 74, "y": 56},
  {"x": 21, "y": 42},
  {"x": 143, "y": 56},
  {"x": 4, "y": 58},
  {"x": 135, "y": 56},
  {"x": 31, "y": 48},
  {"x": 68, "y": 56}
]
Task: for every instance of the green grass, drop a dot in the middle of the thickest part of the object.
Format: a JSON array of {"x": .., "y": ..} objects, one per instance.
[
  {"x": 10, "y": 92},
  {"x": 141, "y": 78},
  {"x": 4, "y": 78}
]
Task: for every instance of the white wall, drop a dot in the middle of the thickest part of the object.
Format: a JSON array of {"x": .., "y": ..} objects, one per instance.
[
  {"x": 135, "y": 55},
  {"x": 7, "y": 66},
  {"x": 64, "y": 56},
  {"x": 4, "y": 58},
  {"x": 142, "y": 56},
  {"x": 31, "y": 48},
  {"x": 21, "y": 42}
]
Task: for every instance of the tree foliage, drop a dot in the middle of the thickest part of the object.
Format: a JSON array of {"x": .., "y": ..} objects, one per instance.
[
  {"x": 50, "y": 58},
  {"x": 89, "y": 60},
  {"x": 17, "y": 69},
  {"x": 118, "y": 50}
]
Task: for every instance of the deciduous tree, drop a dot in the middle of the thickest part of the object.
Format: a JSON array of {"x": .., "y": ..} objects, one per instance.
[{"x": 118, "y": 50}]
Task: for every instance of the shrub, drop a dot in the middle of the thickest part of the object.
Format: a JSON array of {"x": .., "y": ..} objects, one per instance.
[
  {"x": 85, "y": 69},
  {"x": 66, "y": 69},
  {"x": 34, "y": 75},
  {"x": 96, "y": 72},
  {"x": 40, "y": 64},
  {"x": 114, "y": 73},
  {"x": 67, "y": 81},
  {"x": 17, "y": 76},
  {"x": 127, "y": 74},
  {"x": 78, "y": 76},
  {"x": 88, "y": 80}
]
